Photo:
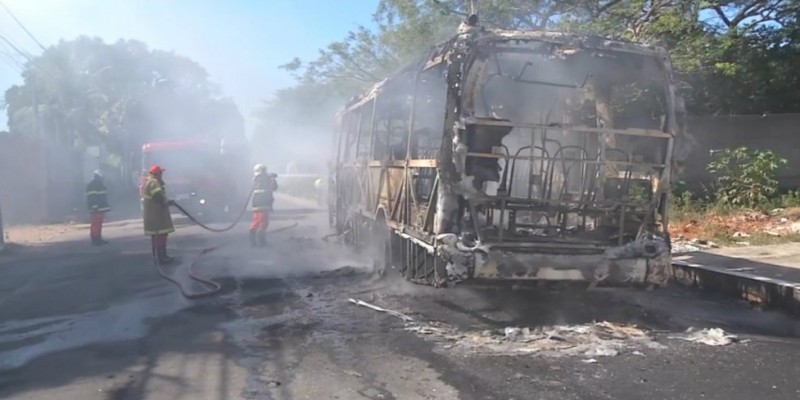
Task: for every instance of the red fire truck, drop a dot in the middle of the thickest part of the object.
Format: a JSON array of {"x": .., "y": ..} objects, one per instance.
[{"x": 207, "y": 177}]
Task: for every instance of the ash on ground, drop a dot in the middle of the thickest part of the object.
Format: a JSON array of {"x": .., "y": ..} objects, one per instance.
[{"x": 601, "y": 339}]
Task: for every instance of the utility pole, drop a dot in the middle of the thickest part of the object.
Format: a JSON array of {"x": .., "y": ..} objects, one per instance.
[
  {"x": 2, "y": 234},
  {"x": 39, "y": 135}
]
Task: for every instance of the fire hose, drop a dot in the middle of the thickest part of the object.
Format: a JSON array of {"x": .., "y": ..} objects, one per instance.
[{"x": 216, "y": 287}]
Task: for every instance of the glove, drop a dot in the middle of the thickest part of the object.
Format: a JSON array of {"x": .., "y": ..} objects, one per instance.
[{"x": 170, "y": 202}]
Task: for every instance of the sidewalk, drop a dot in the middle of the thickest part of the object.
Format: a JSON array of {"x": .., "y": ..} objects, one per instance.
[{"x": 764, "y": 275}]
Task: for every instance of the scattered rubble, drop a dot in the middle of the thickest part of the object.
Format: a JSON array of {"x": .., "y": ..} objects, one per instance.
[
  {"x": 711, "y": 337},
  {"x": 602, "y": 339},
  {"x": 342, "y": 272},
  {"x": 381, "y": 309}
]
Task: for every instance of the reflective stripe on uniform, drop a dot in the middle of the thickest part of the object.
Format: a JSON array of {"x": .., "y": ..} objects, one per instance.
[
  {"x": 259, "y": 191},
  {"x": 95, "y": 192},
  {"x": 150, "y": 192},
  {"x": 159, "y": 232}
]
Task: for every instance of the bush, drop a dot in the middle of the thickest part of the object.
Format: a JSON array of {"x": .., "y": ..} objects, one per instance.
[{"x": 745, "y": 178}]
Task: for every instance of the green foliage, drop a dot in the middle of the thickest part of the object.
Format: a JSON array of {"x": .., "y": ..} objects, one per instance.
[
  {"x": 681, "y": 197},
  {"x": 790, "y": 199},
  {"x": 727, "y": 53},
  {"x": 745, "y": 178},
  {"x": 86, "y": 92}
]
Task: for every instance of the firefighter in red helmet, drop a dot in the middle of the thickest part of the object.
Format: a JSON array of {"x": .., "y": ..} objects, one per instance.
[{"x": 157, "y": 218}]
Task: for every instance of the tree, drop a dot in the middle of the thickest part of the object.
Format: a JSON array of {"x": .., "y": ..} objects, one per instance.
[
  {"x": 727, "y": 53},
  {"x": 86, "y": 92}
]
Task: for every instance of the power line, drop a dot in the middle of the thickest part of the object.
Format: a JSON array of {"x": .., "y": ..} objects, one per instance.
[
  {"x": 22, "y": 26},
  {"x": 26, "y": 56},
  {"x": 12, "y": 63},
  {"x": 20, "y": 52},
  {"x": 10, "y": 59},
  {"x": 4, "y": 51}
]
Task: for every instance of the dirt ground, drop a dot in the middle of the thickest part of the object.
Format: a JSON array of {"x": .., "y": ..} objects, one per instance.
[
  {"x": 746, "y": 227},
  {"x": 32, "y": 234}
]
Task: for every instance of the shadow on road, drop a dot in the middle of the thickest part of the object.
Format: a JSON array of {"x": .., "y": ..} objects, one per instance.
[{"x": 71, "y": 312}]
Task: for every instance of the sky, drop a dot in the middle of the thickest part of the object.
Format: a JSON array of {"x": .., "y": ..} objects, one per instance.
[{"x": 241, "y": 43}]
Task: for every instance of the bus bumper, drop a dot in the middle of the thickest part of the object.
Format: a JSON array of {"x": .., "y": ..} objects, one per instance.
[{"x": 640, "y": 262}]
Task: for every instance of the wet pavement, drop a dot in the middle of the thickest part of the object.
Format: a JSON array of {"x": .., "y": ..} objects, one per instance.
[{"x": 80, "y": 322}]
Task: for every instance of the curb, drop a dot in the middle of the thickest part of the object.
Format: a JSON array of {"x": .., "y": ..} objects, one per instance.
[
  {"x": 311, "y": 203},
  {"x": 760, "y": 290},
  {"x": 115, "y": 224}
]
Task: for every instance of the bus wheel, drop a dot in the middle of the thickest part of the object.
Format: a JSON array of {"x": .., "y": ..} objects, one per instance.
[
  {"x": 349, "y": 231},
  {"x": 379, "y": 246},
  {"x": 422, "y": 267}
]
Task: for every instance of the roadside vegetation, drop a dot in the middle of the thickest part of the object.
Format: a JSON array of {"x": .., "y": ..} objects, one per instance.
[
  {"x": 744, "y": 205},
  {"x": 726, "y": 54},
  {"x": 84, "y": 93}
]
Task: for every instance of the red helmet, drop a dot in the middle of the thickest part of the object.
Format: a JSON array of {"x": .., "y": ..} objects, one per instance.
[{"x": 155, "y": 169}]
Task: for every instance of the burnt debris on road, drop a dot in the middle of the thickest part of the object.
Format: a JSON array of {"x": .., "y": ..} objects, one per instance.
[{"x": 285, "y": 326}]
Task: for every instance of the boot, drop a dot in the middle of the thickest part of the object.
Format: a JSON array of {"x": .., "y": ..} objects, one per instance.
[
  {"x": 262, "y": 238},
  {"x": 166, "y": 256},
  {"x": 253, "y": 241},
  {"x": 163, "y": 258}
]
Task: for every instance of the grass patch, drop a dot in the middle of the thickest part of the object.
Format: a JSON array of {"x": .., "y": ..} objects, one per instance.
[
  {"x": 762, "y": 239},
  {"x": 744, "y": 205}
]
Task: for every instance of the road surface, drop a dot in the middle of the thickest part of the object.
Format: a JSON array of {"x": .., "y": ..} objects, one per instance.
[{"x": 81, "y": 322}]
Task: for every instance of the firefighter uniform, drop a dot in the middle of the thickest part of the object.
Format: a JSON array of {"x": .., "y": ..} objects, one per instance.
[
  {"x": 157, "y": 218},
  {"x": 264, "y": 186},
  {"x": 97, "y": 202}
]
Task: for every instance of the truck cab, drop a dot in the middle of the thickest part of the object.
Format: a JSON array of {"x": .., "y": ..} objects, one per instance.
[{"x": 199, "y": 175}]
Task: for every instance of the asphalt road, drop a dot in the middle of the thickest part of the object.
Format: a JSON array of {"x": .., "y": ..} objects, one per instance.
[{"x": 81, "y": 322}]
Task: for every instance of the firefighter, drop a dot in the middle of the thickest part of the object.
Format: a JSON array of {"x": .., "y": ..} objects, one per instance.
[
  {"x": 264, "y": 186},
  {"x": 157, "y": 218},
  {"x": 97, "y": 201}
]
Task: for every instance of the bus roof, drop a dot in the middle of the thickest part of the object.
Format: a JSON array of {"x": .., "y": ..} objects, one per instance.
[{"x": 481, "y": 35}]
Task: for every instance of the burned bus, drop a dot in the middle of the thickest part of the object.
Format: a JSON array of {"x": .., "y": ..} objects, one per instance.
[{"x": 514, "y": 156}]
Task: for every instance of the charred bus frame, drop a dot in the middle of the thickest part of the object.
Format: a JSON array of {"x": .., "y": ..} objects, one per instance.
[{"x": 477, "y": 161}]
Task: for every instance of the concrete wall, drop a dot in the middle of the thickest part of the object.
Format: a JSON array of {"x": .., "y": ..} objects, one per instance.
[
  {"x": 779, "y": 133},
  {"x": 39, "y": 182}
]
